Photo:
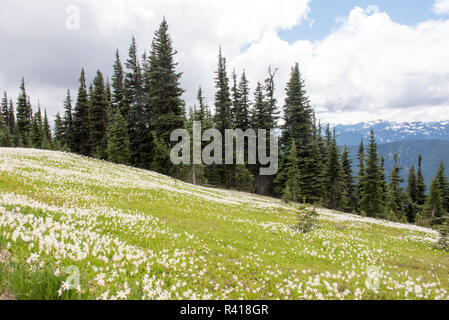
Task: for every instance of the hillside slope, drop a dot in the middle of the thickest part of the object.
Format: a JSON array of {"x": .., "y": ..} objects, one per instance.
[{"x": 135, "y": 234}]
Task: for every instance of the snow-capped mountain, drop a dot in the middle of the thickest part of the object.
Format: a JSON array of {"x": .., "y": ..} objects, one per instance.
[{"x": 387, "y": 132}]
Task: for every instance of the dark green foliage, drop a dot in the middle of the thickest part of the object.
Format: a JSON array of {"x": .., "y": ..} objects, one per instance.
[
  {"x": 242, "y": 106},
  {"x": 47, "y": 139},
  {"x": 164, "y": 96},
  {"x": 444, "y": 185},
  {"x": 24, "y": 115},
  {"x": 222, "y": 119},
  {"x": 433, "y": 209},
  {"x": 298, "y": 117},
  {"x": 118, "y": 145},
  {"x": 334, "y": 184},
  {"x": 307, "y": 219},
  {"x": 420, "y": 184},
  {"x": 371, "y": 204},
  {"x": 98, "y": 117},
  {"x": 443, "y": 241},
  {"x": 67, "y": 132},
  {"x": 395, "y": 196},
  {"x": 81, "y": 127},
  {"x": 58, "y": 141},
  {"x": 348, "y": 182},
  {"x": 412, "y": 196},
  {"x": 118, "y": 87},
  {"x": 37, "y": 134},
  {"x": 292, "y": 189}
]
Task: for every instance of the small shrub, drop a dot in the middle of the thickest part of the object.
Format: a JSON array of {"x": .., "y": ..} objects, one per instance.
[
  {"x": 443, "y": 242},
  {"x": 307, "y": 219}
]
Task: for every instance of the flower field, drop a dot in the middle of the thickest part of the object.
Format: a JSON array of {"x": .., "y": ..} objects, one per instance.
[{"x": 135, "y": 234}]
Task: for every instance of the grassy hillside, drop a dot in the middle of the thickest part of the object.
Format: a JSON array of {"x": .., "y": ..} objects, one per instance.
[{"x": 136, "y": 234}]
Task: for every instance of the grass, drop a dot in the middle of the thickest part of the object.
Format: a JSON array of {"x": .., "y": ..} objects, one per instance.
[{"x": 134, "y": 234}]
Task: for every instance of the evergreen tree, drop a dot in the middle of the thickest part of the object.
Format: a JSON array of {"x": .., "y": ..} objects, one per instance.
[
  {"x": 118, "y": 144},
  {"x": 236, "y": 100},
  {"x": 420, "y": 184},
  {"x": 58, "y": 141},
  {"x": 361, "y": 173},
  {"x": 47, "y": 139},
  {"x": 98, "y": 117},
  {"x": 298, "y": 127},
  {"x": 118, "y": 87},
  {"x": 383, "y": 180},
  {"x": 135, "y": 110},
  {"x": 36, "y": 130},
  {"x": 433, "y": 209},
  {"x": 67, "y": 125},
  {"x": 242, "y": 108},
  {"x": 223, "y": 105},
  {"x": 334, "y": 186},
  {"x": 4, "y": 111},
  {"x": 292, "y": 189},
  {"x": 270, "y": 97},
  {"x": 395, "y": 196},
  {"x": 81, "y": 127},
  {"x": 23, "y": 116},
  {"x": 348, "y": 182},
  {"x": 11, "y": 119},
  {"x": 165, "y": 104},
  {"x": 371, "y": 203},
  {"x": 444, "y": 185},
  {"x": 412, "y": 196}
]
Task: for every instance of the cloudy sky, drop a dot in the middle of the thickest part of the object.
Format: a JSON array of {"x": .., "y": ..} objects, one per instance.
[{"x": 362, "y": 60}]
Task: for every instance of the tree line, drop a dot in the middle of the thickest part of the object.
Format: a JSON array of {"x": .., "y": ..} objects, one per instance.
[{"x": 129, "y": 119}]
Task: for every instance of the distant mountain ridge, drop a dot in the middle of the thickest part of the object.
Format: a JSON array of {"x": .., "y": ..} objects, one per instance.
[
  {"x": 388, "y": 132},
  {"x": 432, "y": 151}
]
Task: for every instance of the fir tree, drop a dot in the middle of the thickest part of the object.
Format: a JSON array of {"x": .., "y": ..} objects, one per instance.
[
  {"x": 67, "y": 125},
  {"x": 348, "y": 182},
  {"x": 23, "y": 116},
  {"x": 292, "y": 189},
  {"x": 118, "y": 139},
  {"x": 36, "y": 130},
  {"x": 58, "y": 141},
  {"x": 334, "y": 177},
  {"x": 270, "y": 97},
  {"x": 81, "y": 127},
  {"x": 395, "y": 196},
  {"x": 371, "y": 203},
  {"x": 165, "y": 104},
  {"x": 420, "y": 184},
  {"x": 298, "y": 127},
  {"x": 242, "y": 109},
  {"x": 4, "y": 111},
  {"x": 11, "y": 119},
  {"x": 98, "y": 117},
  {"x": 47, "y": 139},
  {"x": 361, "y": 173},
  {"x": 412, "y": 196},
  {"x": 118, "y": 88},
  {"x": 433, "y": 209},
  {"x": 222, "y": 117},
  {"x": 444, "y": 185}
]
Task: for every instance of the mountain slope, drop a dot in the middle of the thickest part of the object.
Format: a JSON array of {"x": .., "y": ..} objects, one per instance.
[
  {"x": 136, "y": 234},
  {"x": 432, "y": 151},
  {"x": 387, "y": 132}
]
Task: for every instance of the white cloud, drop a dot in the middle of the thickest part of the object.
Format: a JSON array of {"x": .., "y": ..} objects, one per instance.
[
  {"x": 368, "y": 68},
  {"x": 441, "y": 6}
]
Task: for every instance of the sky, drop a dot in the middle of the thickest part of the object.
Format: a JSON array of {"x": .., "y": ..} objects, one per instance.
[{"x": 361, "y": 60}]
